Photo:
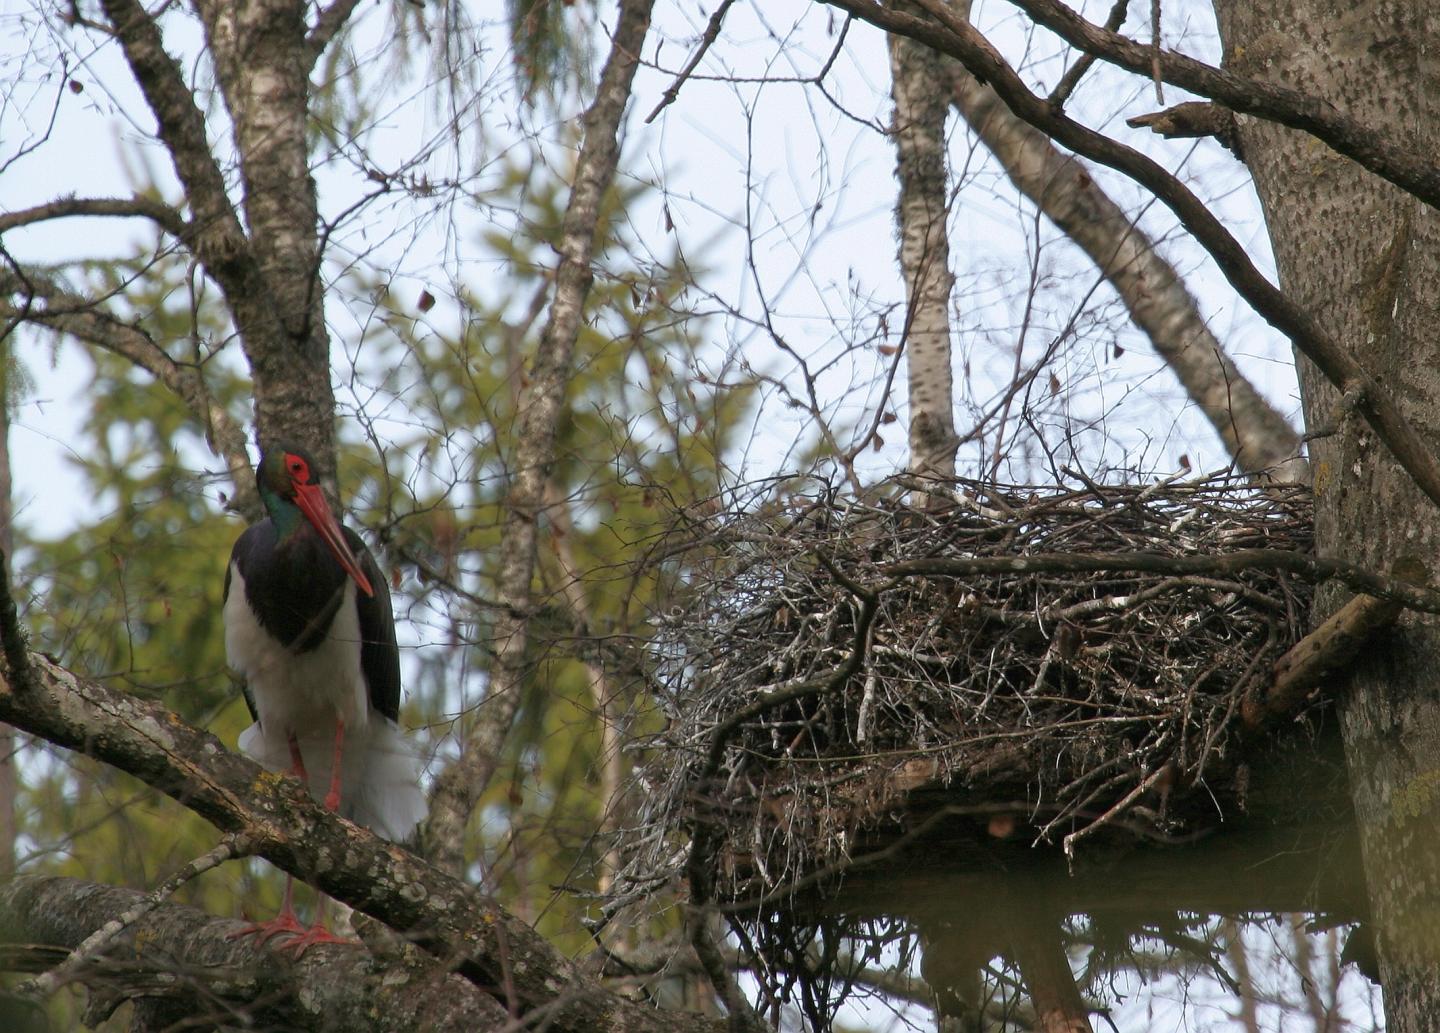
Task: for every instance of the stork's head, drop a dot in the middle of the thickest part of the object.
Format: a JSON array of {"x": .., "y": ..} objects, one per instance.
[{"x": 290, "y": 489}]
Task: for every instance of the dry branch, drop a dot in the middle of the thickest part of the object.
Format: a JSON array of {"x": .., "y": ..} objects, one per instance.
[
  {"x": 472, "y": 936},
  {"x": 952, "y": 35},
  {"x": 1413, "y": 172},
  {"x": 1327, "y": 649},
  {"x": 1257, "y": 436},
  {"x": 44, "y": 303},
  {"x": 179, "y": 963}
]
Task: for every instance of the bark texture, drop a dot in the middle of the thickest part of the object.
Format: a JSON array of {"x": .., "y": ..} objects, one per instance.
[
  {"x": 268, "y": 269},
  {"x": 180, "y": 964},
  {"x": 1044, "y": 965},
  {"x": 470, "y": 934},
  {"x": 917, "y": 78},
  {"x": 1365, "y": 257}
]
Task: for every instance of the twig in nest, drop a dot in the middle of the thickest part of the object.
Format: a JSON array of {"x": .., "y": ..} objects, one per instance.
[{"x": 1113, "y": 813}]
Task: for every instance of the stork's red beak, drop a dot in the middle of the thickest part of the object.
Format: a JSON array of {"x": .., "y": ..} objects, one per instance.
[{"x": 312, "y": 503}]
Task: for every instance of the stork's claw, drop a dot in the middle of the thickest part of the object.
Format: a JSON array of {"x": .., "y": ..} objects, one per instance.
[{"x": 284, "y": 924}]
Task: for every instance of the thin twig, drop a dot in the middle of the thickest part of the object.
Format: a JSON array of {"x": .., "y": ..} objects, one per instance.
[
  {"x": 1066, "y": 86},
  {"x": 712, "y": 32}
]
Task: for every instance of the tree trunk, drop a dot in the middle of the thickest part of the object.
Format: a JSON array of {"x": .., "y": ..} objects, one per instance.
[
  {"x": 918, "y": 86},
  {"x": 1365, "y": 258}
]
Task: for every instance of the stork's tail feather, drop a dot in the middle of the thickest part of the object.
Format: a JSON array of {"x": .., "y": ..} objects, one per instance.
[{"x": 380, "y": 776}]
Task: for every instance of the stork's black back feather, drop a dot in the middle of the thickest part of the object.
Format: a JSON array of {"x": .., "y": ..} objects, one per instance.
[{"x": 296, "y": 587}]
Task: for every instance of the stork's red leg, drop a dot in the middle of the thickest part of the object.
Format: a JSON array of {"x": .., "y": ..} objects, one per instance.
[
  {"x": 332, "y": 798},
  {"x": 287, "y": 922},
  {"x": 317, "y": 933},
  {"x": 297, "y": 762}
]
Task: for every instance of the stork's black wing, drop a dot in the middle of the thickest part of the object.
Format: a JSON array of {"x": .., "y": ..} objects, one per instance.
[{"x": 379, "y": 653}]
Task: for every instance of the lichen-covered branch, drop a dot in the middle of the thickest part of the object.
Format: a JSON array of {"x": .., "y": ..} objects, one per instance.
[
  {"x": 184, "y": 965},
  {"x": 477, "y": 939}
]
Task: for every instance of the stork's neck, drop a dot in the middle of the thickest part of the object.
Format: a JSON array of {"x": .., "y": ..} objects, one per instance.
[{"x": 284, "y": 514}]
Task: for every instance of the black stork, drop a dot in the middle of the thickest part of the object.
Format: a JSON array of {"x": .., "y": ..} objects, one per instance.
[{"x": 309, "y": 627}]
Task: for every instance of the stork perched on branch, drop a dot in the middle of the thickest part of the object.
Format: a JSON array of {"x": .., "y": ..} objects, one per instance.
[{"x": 308, "y": 625}]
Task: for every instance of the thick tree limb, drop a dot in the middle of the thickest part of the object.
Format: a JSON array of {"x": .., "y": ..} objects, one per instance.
[
  {"x": 541, "y": 407},
  {"x": 953, "y": 35},
  {"x": 474, "y": 937},
  {"x": 183, "y": 958},
  {"x": 1329, "y": 648},
  {"x": 99, "y": 941},
  {"x": 1039, "y": 951},
  {"x": 262, "y": 67},
  {"x": 917, "y": 84},
  {"x": 1414, "y": 173},
  {"x": 1255, "y": 435},
  {"x": 219, "y": 240}
]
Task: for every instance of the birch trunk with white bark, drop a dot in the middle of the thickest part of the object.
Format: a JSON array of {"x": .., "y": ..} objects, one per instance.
[{"x": 918, "y": 88}]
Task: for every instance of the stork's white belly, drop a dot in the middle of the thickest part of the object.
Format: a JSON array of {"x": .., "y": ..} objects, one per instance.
[
  {"x": 299, "y": 693},
  {"x": 302, "y": 694}
]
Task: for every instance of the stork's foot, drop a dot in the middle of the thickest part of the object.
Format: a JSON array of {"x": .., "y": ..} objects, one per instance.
[
  {"x": 317, "y": 933},
  {"x": 284, "y": 924}
]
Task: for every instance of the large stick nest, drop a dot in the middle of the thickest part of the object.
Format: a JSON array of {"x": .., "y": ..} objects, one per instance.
[{"x": 812, "y": 690}]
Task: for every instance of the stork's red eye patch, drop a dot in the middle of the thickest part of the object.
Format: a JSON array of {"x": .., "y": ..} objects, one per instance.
[{"x": 299, "y": 469}]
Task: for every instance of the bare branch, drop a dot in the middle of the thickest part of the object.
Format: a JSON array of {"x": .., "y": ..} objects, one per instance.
[
  {"x": 707, "y": 40},
  {"x": 327, "y": 25},
  {"x": 1415, "y": 174},
  {"x": 1066, "y": 86},
  {"x": 460, "y": 785},
  {"x": 85, "y": 319},
  {"x": 219, "y": 241},
  {"x": 164, "y": 216},
  {"x": 1255, "y": 435},
  {"x": 958, "y": 38}
]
